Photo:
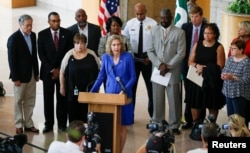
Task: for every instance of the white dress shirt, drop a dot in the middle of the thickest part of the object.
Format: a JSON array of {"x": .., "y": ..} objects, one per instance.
[{"x": 132, "y": 28}]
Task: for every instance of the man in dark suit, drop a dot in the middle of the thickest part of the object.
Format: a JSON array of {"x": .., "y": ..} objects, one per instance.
[
  {"x": 197, "y": 23},
  {"x": 93, "y": 32},
  {"x": 23, "y": 63},
  {"x": 53, "y": 43}
]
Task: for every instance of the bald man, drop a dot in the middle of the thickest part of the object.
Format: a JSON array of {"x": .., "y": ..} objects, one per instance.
[
  {"x": 142, "y": 63},
  {"x": 92, "y": 31}
]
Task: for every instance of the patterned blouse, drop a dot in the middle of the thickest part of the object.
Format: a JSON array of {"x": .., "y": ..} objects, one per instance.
[{"x": 240, "y": 88}]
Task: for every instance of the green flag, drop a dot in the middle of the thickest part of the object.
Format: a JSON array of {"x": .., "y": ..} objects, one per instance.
[{"x": 181, "y": 15}]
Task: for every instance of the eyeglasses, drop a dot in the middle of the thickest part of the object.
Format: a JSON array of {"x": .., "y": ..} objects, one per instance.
[{"x": 233, "y": 48}]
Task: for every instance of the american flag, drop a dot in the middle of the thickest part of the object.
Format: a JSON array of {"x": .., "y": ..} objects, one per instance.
[{"x": 107, "y": 9}]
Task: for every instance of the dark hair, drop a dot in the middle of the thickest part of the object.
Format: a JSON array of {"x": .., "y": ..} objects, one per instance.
[
  {"x": 240, "y": 44},
  {"x": 110, "y": 20},
  {"x": 214, "y": 28},
  {"x": 75, "y": 131},
  {"x": 209, "y": 130},
  {"x": 196, "y": 9},
  {"x": 167, "y": 12},
  {"x": 52, "y": 13},
  {"x": 79, "y": 38}
]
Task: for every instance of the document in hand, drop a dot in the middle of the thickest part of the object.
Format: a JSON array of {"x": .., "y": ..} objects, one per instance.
[
  {"x": 194, "y": 77},
  {"x": 157, "y": 78}
]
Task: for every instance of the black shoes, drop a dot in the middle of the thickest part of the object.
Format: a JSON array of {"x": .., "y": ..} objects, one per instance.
[
  {"x": 47, "y": 129},
  {"x": 187, "y": 125}
]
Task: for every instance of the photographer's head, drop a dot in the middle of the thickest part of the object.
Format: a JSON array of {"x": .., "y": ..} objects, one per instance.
[
  {"x": 155, "y": 144},
  {"x": 237, "y": 126},
  {"x": 76, "y": 131},
  {"x": 160, "y": 142},
  {"x": 208, "y": 130}
]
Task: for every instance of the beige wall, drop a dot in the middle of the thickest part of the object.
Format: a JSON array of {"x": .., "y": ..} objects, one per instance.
[
  {"x": 153, "y": 7},
  {"x": 205, "y": 5},
  {"x": 17, "y": 3},
  {"x": 91, "y": 7}
]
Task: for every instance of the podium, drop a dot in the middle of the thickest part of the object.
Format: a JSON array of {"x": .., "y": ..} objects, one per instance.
[{"x": 107, "y": 103}]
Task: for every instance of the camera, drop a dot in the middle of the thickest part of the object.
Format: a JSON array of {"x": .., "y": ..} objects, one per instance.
[
  {"x": 166, "y": 134},
  {"x": 92, "y": 137},
  {"x": 13, "y": 144},
  {"x": 225, "y": 126}
]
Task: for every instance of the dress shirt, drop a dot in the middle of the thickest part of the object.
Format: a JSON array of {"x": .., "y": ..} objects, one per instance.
[
  {"x": 52, "y": 33},
  {"x": 193, "y": 32},
  {"x": 84, "y": 31},
  {"x": 27, "y": 40},
  {"x": 132, "y": 29}
]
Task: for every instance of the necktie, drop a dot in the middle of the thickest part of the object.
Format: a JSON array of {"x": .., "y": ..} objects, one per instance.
[
  {"x": 196, "y": 35},
  {"x": 56, "y": 40},
  {"x": 140, "y": 44}
]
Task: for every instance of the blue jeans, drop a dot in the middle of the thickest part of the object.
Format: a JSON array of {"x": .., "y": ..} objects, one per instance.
[{"x": 236, "y": 105}]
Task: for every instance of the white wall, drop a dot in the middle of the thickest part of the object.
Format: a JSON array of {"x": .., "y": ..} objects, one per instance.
[{"x": 71, "y": 5}]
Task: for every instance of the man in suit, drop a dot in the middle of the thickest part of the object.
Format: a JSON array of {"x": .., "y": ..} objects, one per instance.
[
  {"x": 93, "y": 32},
  {"x": 142, "y": 63},
  {"x": 197, "y": 23},
  {"x": 23, "y": 64},
  {"x": 166, "y": 51},
  {"x": 53, "y": 43}
]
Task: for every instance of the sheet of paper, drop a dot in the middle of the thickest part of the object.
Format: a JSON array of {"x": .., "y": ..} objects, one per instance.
[
  {"x": 194, "y": 77},
  {"x": 157, "y": 78}
]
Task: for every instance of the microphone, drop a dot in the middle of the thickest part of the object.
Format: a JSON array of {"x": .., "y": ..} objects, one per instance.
[
  {"x": 92, "y": 82},
  {"x": 122, "y": 86}
]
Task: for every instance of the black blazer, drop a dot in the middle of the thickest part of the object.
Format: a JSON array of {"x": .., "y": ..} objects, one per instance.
[
  {"x": 188, "y": 28},
  {"x": 49, "y": 56},
  {"x": 21, "y": 62},
  {"x": 94, "y": 35}
]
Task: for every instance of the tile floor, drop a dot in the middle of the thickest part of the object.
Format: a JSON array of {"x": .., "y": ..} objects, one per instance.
[{"x": 137, "y": 134}]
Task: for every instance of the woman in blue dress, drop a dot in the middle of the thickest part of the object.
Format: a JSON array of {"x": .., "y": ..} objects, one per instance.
[{"x": 119, "y": 70}]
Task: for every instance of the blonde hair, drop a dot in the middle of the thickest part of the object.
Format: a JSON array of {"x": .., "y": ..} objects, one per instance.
[
  {"x": 237, "y": 123},
  {"x": 245, "y": 25},
  {"x": 109, "y": 42}
]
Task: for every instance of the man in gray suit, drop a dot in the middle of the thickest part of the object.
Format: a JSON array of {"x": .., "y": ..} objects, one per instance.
[{"x": 167, "y": 49}]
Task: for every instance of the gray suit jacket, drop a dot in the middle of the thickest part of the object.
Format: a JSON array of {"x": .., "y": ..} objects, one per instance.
[{"x": 170, "y": 50}]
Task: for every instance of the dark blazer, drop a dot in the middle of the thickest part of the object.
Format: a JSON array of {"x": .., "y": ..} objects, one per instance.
[
  {"x": 94, "y": 35},
  {"x": 49, "y": 56},
  {"x": 21, "y": 62},
  {"x": 188, "y": 28}
]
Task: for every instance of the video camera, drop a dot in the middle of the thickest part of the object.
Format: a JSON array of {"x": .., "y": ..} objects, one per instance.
[
  {"x": 91, "y": 135},
  {"x": 166, "y": 134},
  {"x": 13, "y": 144}
]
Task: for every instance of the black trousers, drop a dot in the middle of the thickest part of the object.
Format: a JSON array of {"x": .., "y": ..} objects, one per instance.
[
  {"x": 146, "y": 71},
  {"x": 49, "y": 88}
]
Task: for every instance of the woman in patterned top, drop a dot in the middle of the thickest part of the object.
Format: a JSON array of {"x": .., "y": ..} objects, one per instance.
[{"x": 236, "y": 76}]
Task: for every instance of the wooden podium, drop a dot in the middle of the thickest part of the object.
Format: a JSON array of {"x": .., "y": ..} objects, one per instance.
[{"x": 107, "y": 103}]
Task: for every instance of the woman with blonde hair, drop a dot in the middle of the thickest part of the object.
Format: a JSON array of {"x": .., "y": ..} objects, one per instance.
[
  {"x": 237, "y": 126},
  {"x": 119, "y": 69}
]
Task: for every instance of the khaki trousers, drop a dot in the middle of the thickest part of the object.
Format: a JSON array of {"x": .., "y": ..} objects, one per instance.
[{"x": 24, "y": 98}]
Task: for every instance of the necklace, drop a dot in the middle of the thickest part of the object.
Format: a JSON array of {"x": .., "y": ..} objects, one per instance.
[{"x": 206, "y": 44}]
